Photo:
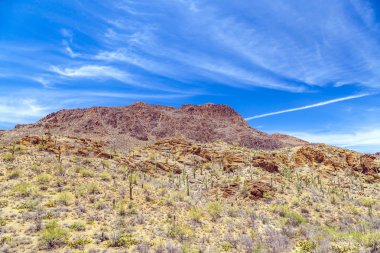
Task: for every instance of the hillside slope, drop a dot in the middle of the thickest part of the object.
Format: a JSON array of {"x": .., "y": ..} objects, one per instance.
[{"x": 140, "y": 123}]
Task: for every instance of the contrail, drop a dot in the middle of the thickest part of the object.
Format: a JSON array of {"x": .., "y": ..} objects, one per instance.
[{"x": 309, "y": 106}]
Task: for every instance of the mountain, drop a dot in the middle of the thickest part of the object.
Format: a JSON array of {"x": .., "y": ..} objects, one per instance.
[{"x": 140, "y": 123}]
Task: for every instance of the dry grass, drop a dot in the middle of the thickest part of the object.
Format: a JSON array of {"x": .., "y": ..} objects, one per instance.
[{"x": 89, "y": 204}]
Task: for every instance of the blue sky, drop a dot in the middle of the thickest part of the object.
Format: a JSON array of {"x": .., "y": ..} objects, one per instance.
[{"x": 307, "y": 68}]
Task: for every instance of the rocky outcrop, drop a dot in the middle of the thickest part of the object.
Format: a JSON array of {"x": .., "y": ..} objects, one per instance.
[
  {"x": 331, "y": 159},
  {"x": 140, "y": 124}
]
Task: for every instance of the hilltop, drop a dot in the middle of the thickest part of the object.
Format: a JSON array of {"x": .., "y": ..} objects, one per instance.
[{"x": 140, "y": 124}]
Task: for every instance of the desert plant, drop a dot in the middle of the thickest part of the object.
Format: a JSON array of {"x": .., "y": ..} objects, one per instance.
[
  {"x": 65, "y": 198},
  {"x": 43, "y": 178},
  {"x": 79, "y": 243},
  {"x": 78, "y": 226},
  {"x": 294, "y": 218},
  {"x": 214, "y": 209},
  {"x": 195, "y": 215},
  {"x": 23, "y": 189},
  {"x": 369, "y": 203},
  {"x": 54, "y": 235},
  {"x": 122, "y": 240}
]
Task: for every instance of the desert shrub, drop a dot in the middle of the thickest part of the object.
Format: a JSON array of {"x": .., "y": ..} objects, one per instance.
[
  {"x": 233, "y": 211},
  {"x": 195, "y": 215},
  {"x": 214, "y": 209},
  {"x": 93, "y": 189},
  {"x": 105, "y": 176},
  {"x": 226, "y": 246},
  {"x": 77, "y": 226},
  {"x": 343, "y": 247},
  {"x": 23, "y": 189},
  {"x": 79, "y": 243},
  {"x": 30, "y": 204},
  {"x": 369, "y": 203},
  {"x": 6, "y": 239},
  {"x": 179, "y": 231},
  {"x": 142, "y": 248},
  {"x": 14, "y": 174},
  {"x": 122, "y": 240},
  {"x": 8, "y": 157},
  {"x": 65, "y": 198},
  {"x": 3, "y": 203},
  {"x": 305, "y": 246},
  {"x": 294, "y": 218},
  {"x": 281, "y": 210},
  {"x": 43, "y": 178},
  {"x": 2, "y": 222},
  {"x": 54, "y": 235},
  {"x": 85, "y": 172},
  {"x": 275, "y": 241},
  {"x": 36, "y": 168},
  {"x": 372, "y": 241}
]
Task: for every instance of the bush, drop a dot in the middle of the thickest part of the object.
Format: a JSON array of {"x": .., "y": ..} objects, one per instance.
[
  {"x": 54, "y": 235},
  {"x": 215, "y": 210},
  {"x": 14, "y": 174},
  {"x": 195, "y": 215},
  {"x": 226, "y": 246},
  {"x": 178, "y": 231},
  {"x": 85, "y": 172},
  {"x": 8, "y": 157},
  {"x": 305, "y": 246},
  {"x": 65, "y": 198},
  {"x": 43, "y": 178},
  {"x": 23, "y": 189},
  {"x": 122, "y": 240},
  {"x": 77, "y": 226},
  {"x": 294, "y": 219},
  {"x": 79, "y": 242},
  {"x": 93, "y": 189}
]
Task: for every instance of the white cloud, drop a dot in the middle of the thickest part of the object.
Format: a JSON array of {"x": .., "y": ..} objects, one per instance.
[
  {"x": 70, "y": 52},
  {"x": 364, "y": 139},
  {"x": 94, "y": 72},
  {"x": 309, "y": 106},
  {"x": 20, "y": 110},
  {"x": 135, "y": 95}
]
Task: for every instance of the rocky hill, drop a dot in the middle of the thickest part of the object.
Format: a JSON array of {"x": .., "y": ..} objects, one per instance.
[
  {"x": 68, "y": 194},
  {"x": 140, "y": 123}
]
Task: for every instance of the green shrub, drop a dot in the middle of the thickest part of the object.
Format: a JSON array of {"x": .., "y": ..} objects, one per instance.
[
  {"x": 85, "y": 172},
  {"x": 306, "y": 246},
  {"x": 43, "y": 178},
  {"x": 179, "y": 231},
  {"x": 93, "y": 189},
  {"x": 226, "y": 246},
  {"x": 294, "y": 219},
  {"x": 214, "y": 209},
  {"x": 14, "y": 174},
  {"x": 8, "y": 157},
  {"x": 195, "y": 215},
  {"x": 54, "y": 235},
  {"x": 65, "y": 198},
  {"x": 79, "y": 242},
  {"x": 77, "y": 226},
  {"x": 122, "y": 240},
  {"x": 23, "y": 189}
]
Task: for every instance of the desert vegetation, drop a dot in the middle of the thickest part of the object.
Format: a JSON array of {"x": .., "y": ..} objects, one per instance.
[{"x": 65, "y": 194}]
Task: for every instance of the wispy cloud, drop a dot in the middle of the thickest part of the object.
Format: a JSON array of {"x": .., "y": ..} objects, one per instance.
[
  {"x": 309, "y": 106},
  {"x": 366, "y": 139},
  {"x": 94, "y": 72},
  {"x": 20, "y": 110}
]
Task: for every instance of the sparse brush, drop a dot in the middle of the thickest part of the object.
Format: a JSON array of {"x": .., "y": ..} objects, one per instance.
[{"x": 54, "y": 235}]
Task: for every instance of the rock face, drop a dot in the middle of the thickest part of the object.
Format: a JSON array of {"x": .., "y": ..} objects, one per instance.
[{"x": 140, "y": 123}]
